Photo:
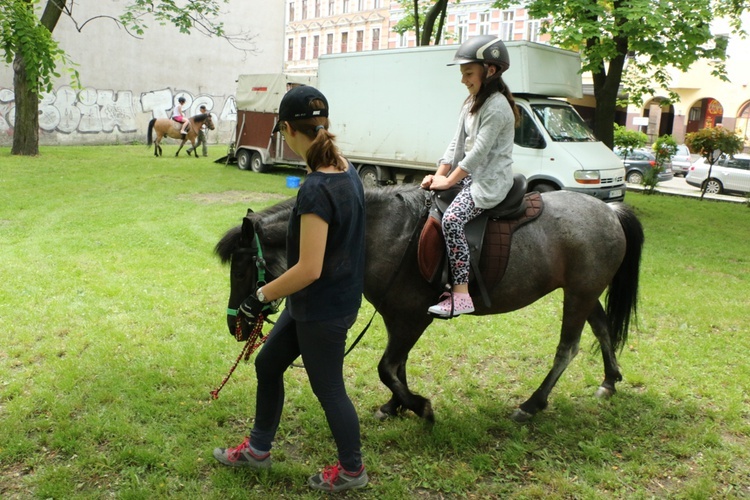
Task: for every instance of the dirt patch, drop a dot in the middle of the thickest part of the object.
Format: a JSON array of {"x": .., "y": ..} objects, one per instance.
[{"x": 229, "y": 197}]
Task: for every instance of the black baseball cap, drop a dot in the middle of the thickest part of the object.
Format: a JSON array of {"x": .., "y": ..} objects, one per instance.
[{"x": 295, "y": 105}]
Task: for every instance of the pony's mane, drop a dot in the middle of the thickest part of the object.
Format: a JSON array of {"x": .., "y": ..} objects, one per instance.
[
  {"x": 411, "y": 194},
  {"x": 200, "y": 118},
  {"x": 231, "y": 239},
  {"x": 276, "y": 216}
]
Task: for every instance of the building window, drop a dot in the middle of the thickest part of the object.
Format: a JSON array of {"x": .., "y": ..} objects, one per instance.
[
  {"x": 304, "y": 9},
  {"x": 329, "y": 43},
  {"x": 360, "y": 5},
  {"x": 484, "y": 23},
  {"x": 291, "y": 10},
  {"x": 507, "y": 25},
  {"x": 376, "y": 4},
  {"x": 375, "y": 39},
  {"x": 317, "y": 8},
  {"x": 344, "y": 41},
  {"x": 532, "y": 30},
  {"x": 331, "y": 7},
  {"x": 360, "y": 40},
  {"x": 303, "y": 48},
  {"x": 290, "y": 49},
  {"x": 402, "y": 40},
  {"x": 316, "y": 46},
  {"x": 345, "y": 10},
  {"x": 462, "y": 28}
]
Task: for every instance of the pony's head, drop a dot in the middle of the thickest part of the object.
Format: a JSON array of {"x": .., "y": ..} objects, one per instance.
[
  {"x": 256, "y": 253},
  {"x": 205, "y": 118}
]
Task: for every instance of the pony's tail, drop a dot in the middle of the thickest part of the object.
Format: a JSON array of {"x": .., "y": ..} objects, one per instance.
[
  {"x": 150, "y": 131},
  {"x": 622, "y": 296}
]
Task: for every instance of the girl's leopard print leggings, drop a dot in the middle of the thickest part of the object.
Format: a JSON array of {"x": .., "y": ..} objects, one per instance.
[{"x": 455, "y": 218}]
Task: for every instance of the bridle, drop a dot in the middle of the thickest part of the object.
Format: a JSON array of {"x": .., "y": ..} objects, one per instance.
[{"x": 256, "y": 338}]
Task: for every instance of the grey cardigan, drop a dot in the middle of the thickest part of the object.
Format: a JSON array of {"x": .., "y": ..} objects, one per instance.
[{"x": 490, "y": 160}]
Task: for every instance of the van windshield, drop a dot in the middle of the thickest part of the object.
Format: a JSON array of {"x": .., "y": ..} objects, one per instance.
[{"x": 563, "y": 123}]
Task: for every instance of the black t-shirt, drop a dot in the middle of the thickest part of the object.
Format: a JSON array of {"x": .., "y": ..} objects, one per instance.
[{"x": 339, "y": 200}]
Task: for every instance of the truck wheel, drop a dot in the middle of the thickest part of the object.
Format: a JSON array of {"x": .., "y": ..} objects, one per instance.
[
  {"x": 256, "y": 163},
  {"x": 371, "y": 175},
  {"x": 712, "y": 186},
  {"x": 544, "y": 187},
  {"x": 243, "y": 159},
  {"x": 634, "y": 177}
]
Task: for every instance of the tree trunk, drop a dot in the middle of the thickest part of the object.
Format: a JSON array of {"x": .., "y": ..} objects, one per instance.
[
  {"x": 416, "y": 21},
  {"x": 606, "y": 88},
  {"x": 429, "y": 21},
  {"x": 26, "y": 125}
]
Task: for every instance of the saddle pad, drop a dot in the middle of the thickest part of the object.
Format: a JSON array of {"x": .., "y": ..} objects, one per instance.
[
  {"x": 495, "y": 248},
  {"x": 497, "y": 238}
]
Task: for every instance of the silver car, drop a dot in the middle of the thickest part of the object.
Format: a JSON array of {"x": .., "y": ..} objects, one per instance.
[
  {"x": 729, "y": 174},
  {"x": 681, "y": 160}
]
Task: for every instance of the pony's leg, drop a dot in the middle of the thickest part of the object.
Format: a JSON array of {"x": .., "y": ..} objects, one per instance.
[
  {"x": 575, "y": 312},
  {"x": 403, "y": 333},
  {"x": 180, "y": 148},
  {"x": 598, "y": 322}
]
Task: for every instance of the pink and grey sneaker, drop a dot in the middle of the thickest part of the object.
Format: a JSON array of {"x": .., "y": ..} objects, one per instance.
[
  {"x": 334, "y": 478},
  {"x": 462, "y": 304},
  {"x": 243, "y": 456}
]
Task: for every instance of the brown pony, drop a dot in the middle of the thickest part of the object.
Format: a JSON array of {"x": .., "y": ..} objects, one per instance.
[{"x": 171, "y": 128}]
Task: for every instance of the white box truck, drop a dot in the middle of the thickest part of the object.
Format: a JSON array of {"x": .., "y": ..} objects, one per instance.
[{"x": 395, "y": 111}]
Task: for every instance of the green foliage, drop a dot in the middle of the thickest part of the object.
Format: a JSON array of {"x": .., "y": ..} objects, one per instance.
[
  {"x": 114, "y": 333},
  {"x": 198, "y": 14},
  {"x": 712, "y": 142},
  {"x": 659, "y": 35},
  {"x": 664, "y": 148},
  {"x": 628, "y": 140},
  {"x": 429, "y": 11},
  {"x": 22, "y": 35}
]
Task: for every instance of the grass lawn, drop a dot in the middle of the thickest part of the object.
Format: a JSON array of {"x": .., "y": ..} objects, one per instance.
[{"x": 112, "y": 335}]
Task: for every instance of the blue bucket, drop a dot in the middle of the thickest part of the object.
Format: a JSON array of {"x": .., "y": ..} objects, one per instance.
[{"x": 292, "y": 182}]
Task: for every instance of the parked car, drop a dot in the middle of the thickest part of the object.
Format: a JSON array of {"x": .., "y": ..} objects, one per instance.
[
  {"x": 681, "y": 161},
  {"x": 729, "y": 174},
  {"x": 640, "y": 161}
]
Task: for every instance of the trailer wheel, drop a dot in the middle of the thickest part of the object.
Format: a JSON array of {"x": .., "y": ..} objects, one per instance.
[
  {"x": 372, "y": 175},
  {"x": 243, "y": 159},
  {"x": 256, "y": 163}
]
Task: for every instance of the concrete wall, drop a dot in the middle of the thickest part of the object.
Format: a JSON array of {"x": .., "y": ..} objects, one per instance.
[{"x": 127, "y": 81}]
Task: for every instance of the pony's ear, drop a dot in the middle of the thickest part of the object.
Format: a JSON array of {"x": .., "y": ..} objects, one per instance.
[
  {"x": 249, "y": 211},
  {"x": 248, "y": 230}
]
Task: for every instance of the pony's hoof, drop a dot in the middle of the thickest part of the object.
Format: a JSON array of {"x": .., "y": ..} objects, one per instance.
[
  {"x": 604, "y": 392},
  {"x": 381, "y": 415},
  {"x": 521, "y": 416}
]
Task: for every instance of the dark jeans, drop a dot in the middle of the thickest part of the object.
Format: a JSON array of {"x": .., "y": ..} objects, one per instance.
[{"x": 321, "y": 345}]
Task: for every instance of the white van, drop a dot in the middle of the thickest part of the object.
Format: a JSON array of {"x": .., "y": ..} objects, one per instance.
[{"x": 395, "y": 111}]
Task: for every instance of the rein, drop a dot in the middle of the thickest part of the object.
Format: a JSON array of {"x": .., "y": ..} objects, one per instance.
[
  {"x": 414, "y": 236},
  {"x": 256, "y": 337},
  {"x": 255, "y": 340}
]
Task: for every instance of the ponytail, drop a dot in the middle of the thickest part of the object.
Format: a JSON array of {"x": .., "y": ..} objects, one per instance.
[
  {"x": 322, "y": 151},
  {"x": 491, "y": 84}
]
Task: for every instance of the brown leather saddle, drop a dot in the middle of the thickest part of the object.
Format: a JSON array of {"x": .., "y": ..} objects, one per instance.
[{"x": 489, "y": 237}]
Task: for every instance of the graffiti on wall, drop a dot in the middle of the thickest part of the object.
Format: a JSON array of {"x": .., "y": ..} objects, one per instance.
[{"x": 94, "y": 111}]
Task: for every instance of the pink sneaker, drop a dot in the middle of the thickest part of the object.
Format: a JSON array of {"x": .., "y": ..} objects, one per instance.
[{"x": 462, "y": 304}]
